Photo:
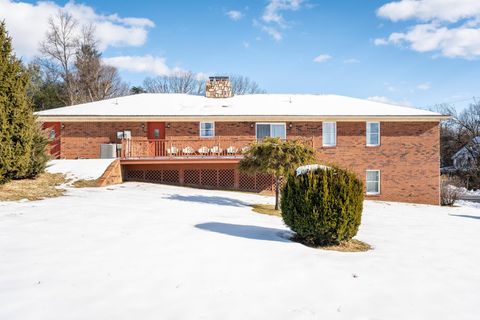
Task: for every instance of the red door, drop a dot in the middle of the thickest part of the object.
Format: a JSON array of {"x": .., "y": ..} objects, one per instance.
[
  {"x": 156, "y": 137},
  {"x": 53, "y": 130}
]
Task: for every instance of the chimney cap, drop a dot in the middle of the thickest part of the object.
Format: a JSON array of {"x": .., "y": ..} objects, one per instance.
[{"x": 215, "y": 78}]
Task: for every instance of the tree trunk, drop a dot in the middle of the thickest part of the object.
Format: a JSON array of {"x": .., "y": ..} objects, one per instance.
[{"x": 277, "y": 192}]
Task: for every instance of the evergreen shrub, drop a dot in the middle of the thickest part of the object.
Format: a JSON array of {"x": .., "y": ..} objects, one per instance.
[{"x": 323, "y": 206}]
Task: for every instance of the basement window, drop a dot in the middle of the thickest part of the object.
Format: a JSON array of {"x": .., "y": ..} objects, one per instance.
[
  {"x": 207, "y": 129},
  {"x": 373, "y": 134},
  {"x": 274, "y": 130},
  {"x": 373, "y": 182}
]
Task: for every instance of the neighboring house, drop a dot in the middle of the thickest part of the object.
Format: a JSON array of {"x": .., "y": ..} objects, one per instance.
[
  {"x": 195, "y": 140},
  {"x": 466, "y": 158}
]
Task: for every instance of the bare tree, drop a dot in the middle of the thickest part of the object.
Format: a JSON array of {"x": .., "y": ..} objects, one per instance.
[
  {"x": 110, "y": 84},
  {"x": 59, "y": 47},
  {"x": 95, "y": 80},
  {"x": 465, "y": 126},
  {"x": 244, "y": 85},
  {"x": 178, "y": 82},
  {"x": 88, "y": 65},
  {"x": 188, "y": 82}
]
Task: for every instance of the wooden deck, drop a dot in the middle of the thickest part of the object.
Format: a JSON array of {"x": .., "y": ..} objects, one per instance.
[{"x": 186, "y": 150}]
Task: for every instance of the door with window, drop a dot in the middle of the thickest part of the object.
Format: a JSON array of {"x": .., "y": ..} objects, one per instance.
[
  {"x": 156, "y": 138},
  {"x": 53, "y": 130}
]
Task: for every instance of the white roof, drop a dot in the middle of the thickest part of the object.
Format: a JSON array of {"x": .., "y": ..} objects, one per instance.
[{"x": 178, "y": 105}]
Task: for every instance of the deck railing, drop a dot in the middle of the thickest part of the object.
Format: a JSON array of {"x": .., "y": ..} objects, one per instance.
[{"x": 186, "y": 148}]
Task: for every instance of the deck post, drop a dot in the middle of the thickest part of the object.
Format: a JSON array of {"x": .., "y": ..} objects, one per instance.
[
  {"x": 181, "y": 176},
  {"x": 236, "y": 179}
]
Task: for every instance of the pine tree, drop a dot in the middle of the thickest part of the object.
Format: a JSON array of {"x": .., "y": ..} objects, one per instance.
[{"x": 17, "y": 122}]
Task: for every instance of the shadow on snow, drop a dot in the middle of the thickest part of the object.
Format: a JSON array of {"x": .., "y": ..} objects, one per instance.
[
  {"x": 247, "y": 231},
  {"x": 221, "y": 201},
  {"x": 465, "y": 216}
]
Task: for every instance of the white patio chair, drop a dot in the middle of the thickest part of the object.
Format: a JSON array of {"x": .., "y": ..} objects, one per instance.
[
  {"x": 203, "y": 150},
  {"x": 232, "y": 150},
  {"x": 188, "y": 150},
  {"x": 245, "y": 149},
  {"x": 216, "y": 150},
  {"x": 172, "y": 151}
]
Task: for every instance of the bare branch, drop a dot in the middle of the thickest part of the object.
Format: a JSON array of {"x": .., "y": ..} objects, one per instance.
[{"x": 59, "y": 46}]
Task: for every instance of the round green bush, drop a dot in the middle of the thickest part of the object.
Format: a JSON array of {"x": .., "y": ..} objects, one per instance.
[{"x": 323, "y": 206}]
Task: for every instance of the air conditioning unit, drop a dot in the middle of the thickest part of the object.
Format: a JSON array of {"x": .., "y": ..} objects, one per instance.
[{"x": 108, "y": 151}]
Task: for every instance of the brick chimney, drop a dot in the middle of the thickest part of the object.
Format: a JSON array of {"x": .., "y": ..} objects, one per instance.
[{"x": 218, "y": 87}]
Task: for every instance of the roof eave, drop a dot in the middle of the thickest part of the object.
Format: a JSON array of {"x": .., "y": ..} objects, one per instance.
[{"x": 146, "y": 118}]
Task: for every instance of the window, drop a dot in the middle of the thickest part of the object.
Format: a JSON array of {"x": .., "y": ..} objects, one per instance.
[
  {"x": 126, "y": 134},
  {"x": 329, "y": 134},
  {"x": 156, "y": 133},
  {"x": 274, "y": 130},
  {"x": 53, "y": 134},
  {"x": 373, "y": 182},
  {"x": 373, "y": 133},
  {"x": 207, "y": 129}
]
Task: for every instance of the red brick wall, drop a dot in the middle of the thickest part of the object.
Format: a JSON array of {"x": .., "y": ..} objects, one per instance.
[
  {"x": 408, "y": 156},
  {"x": 82, "y": 139},
  {"x": 188, "y": 130}
]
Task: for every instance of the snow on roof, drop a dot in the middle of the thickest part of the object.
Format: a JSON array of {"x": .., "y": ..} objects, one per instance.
[{"x": 164, "y": 104}]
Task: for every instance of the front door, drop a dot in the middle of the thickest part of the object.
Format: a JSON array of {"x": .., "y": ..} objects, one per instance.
[
  {"x": 53, "y": 130},
  {"x": 156, "y": 137}
]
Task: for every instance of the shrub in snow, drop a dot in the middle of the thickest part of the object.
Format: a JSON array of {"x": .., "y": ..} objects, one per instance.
[
  {"x": 323, "y": 205},
  {"x": 449, "y": 193}
]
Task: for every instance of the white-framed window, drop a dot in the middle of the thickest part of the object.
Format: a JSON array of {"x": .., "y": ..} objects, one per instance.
[
  {"x": 329, "y": 134},
  {"x": 125, "y": 134},
  {"x": 274, "y": 130},
  {"x": 373, "y": 182},
  {"x": 207, "y": 129},
  {"x": 373, "y": 134}
]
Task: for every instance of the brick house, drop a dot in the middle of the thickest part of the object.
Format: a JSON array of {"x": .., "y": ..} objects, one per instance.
[{"x": 195, "y": 140}]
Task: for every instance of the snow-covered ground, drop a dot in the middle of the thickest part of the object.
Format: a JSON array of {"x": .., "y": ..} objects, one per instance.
[
  {"x": 81, "y": 169},
  {"x": 467, "y": 192},
  {"x": 140, "y": 251}
]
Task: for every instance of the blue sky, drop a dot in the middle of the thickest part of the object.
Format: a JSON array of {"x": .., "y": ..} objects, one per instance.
[{"x": 366, "y": 49}]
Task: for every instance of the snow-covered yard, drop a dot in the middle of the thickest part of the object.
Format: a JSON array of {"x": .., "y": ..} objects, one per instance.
[{"x": 139, "y": 251}]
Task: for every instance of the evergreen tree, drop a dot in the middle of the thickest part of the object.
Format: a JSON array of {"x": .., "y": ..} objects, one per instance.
[
  {"x": 44, "y": 89},
  {"x": 137, "y": 90},
  {"x": 38, "y": 154},
  {"x": 17, "y": 122},
  {"x": 277, "y": 157}
]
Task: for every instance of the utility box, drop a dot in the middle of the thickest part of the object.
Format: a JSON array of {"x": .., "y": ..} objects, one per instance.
[{"x": 108, "y": 151}]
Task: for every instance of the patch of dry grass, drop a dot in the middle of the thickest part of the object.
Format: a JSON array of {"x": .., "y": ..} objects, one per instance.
[
  {"x": 266, "y": 209},
  {"x": 347, "y": 246},
  {"x": 43, "y": 186},
  {"x": 353, "y": 245},
  {"x": 85, "y": 183}
]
